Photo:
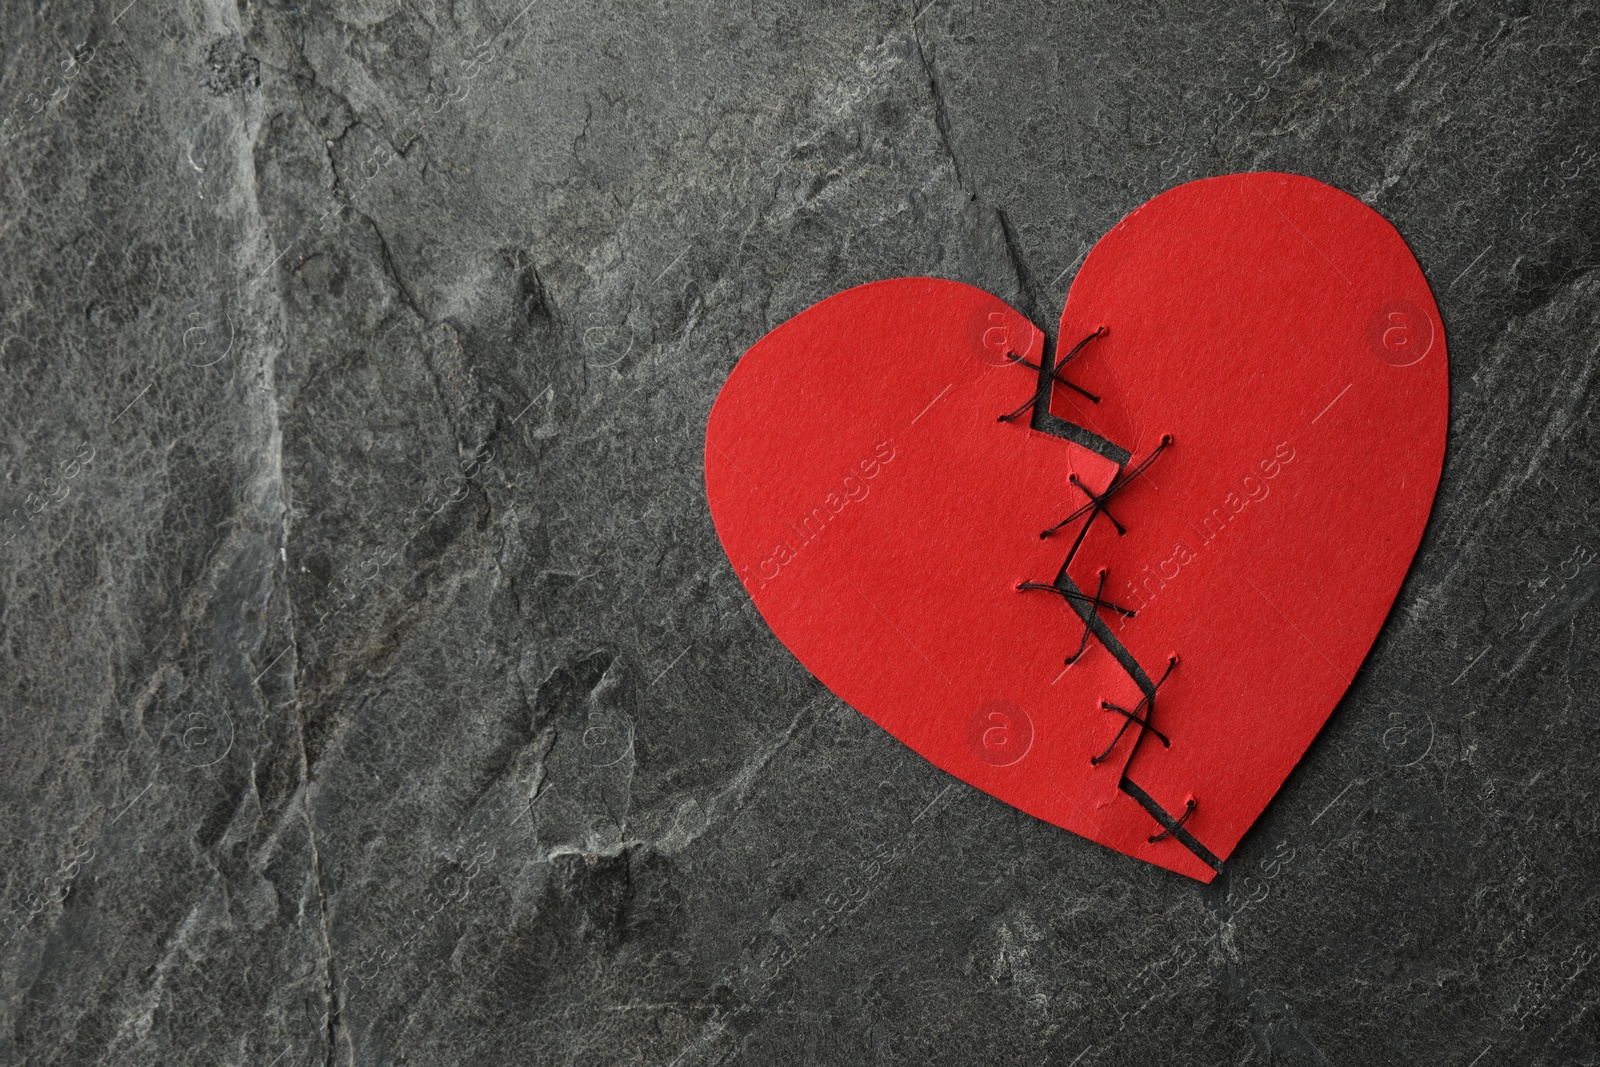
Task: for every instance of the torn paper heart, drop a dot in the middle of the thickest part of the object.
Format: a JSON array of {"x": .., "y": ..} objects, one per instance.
[{"x": 1120, "y": 589}]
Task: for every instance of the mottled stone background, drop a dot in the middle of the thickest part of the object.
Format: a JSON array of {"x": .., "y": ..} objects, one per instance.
[{"x": 375, "y": 690}]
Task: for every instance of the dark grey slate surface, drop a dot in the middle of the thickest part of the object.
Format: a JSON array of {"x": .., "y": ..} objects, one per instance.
[{"x": 375, "y": 690}]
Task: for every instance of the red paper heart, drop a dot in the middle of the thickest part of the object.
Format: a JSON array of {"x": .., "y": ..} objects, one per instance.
[{"x": 882, "y": 517}]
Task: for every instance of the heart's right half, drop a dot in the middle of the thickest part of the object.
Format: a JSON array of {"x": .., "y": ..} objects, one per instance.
[{"x": 1119, "y": 584}]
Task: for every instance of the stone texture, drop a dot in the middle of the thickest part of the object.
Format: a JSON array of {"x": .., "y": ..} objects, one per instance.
[{"x": 375, "y": 690}]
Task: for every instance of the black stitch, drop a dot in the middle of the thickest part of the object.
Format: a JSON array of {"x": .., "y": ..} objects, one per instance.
[
  {"x": 1133, "y": 716},
  {"x": 1044, "y": 422},
  {"x": 1131, "y": 788},
  {"x": 1129, "y": 717},
  {"x": 1097, "y": 504},
  {"x": 1188, "y": 810},
  {"x": 1083, "y": 642},
  {"x": 1074, "y": 386},
  {"x": 1095, "y": 625},
  {"x": 1054, "y": 375},
  {"x": 1080, "y": 597}
]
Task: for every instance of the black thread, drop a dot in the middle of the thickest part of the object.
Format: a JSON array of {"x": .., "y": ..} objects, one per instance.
[
  {"x": 1188, "y": 810},
  {"x": 1133, "y": 716},
  {"x": 1054, "y": 375},
  {"x": 1097, "y": 504},
  {"x": 1128, "y": 717},
  {"x": 1083, "y": 642},
  {"x": 1131, "y": 788},
  {"x": 1080, "y": 597},
  {"x": 1074, "y": 386},
  {"x": 1044, "y": 422},
  {"x": 1092, "y": 621}
]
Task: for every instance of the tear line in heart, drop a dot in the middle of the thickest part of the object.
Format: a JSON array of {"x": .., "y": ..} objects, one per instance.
[{"x": 1087, "y": 606}]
